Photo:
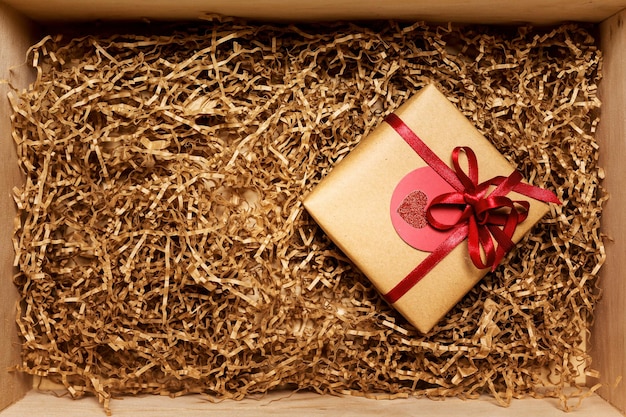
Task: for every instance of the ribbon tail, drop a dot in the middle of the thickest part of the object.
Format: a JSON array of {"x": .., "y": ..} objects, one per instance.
[
  {"x": 503, "y": 237},
  {"x": 537, "y": 193},
  {"x": 505, "y": 244},
  {"x": 457, "y": 236}
]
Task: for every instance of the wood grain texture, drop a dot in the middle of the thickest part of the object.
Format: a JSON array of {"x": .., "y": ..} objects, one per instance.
[
  {"x": 483, "y": 11},
  {"x": 303, "y": 404},
  {"x": 608, "y": 343},
  {"x": 15, "y": 39}
]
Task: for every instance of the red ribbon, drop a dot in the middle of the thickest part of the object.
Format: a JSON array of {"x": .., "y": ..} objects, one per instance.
[{"x": 487, "y": 217}]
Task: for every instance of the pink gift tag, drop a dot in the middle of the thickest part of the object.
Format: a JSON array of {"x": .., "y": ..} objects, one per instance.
[{"x": 408, "y": 209}]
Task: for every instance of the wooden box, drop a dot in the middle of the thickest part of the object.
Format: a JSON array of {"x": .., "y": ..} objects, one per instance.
[{"x": 23, "y": 21}]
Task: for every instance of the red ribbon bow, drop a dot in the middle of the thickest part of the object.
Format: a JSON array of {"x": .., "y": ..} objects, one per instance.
[{"x": 487, "y": 217}]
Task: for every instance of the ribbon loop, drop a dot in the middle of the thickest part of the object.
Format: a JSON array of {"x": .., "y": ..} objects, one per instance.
[{"x": 469, "y": 180}]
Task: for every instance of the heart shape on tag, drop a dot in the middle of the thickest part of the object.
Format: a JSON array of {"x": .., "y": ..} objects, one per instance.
[
  {"x": 413, "y": 209},
  {"x": 409, "y": 203}
]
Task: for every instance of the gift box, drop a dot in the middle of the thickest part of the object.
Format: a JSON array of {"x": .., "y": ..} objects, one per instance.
[{"x": 424, "y": 206}]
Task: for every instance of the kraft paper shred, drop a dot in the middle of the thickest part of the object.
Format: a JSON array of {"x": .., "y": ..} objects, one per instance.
[{"x": 163, "y": 248}]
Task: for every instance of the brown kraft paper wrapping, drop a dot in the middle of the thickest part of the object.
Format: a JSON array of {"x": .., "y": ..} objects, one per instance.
[{"x": 352, "y": 205}]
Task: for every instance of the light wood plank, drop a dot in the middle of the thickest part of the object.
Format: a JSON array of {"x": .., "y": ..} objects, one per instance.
[
  {"x": 14, "y": 40},
  {"x": 484, "y": 11},
  {"x": 608, "y": 343},
  {"x": 303, "y": 404}
]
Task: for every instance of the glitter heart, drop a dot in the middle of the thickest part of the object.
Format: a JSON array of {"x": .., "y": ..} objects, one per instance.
[
  {"x": 413, "y": 209},
  {"x": 409, "y": 202}
]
